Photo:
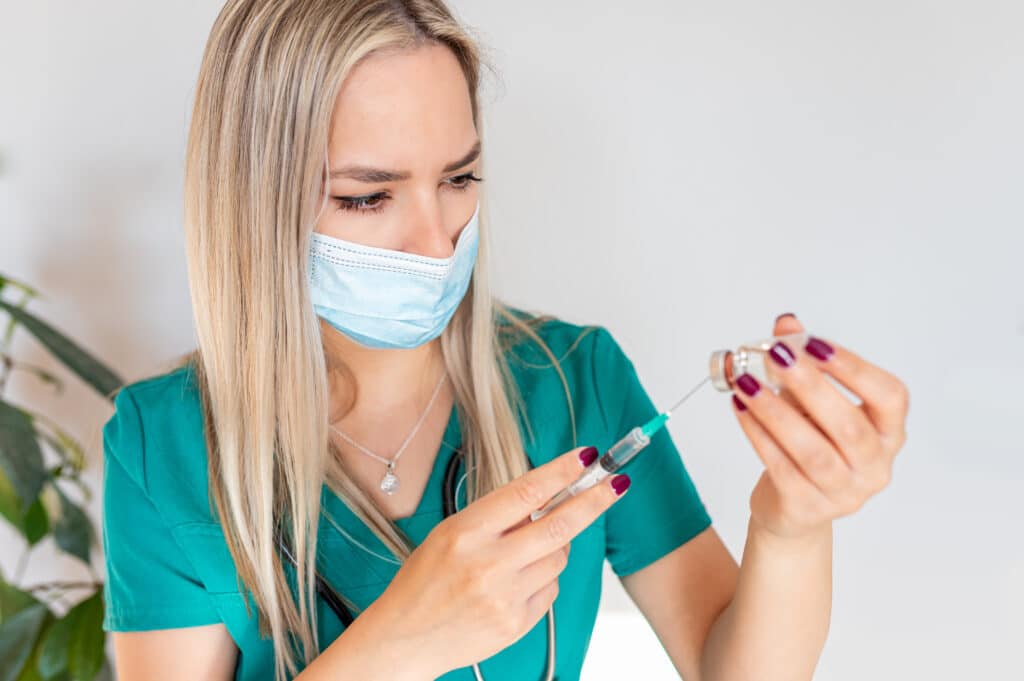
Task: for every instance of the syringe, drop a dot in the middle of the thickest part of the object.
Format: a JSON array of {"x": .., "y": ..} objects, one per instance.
[{"x": 617, "y": 456}]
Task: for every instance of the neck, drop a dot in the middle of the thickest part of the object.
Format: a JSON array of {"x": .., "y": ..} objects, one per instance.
[{"x": 386, "y": 380}]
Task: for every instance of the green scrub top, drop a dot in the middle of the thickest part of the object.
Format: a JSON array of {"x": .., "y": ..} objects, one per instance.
[{"x": 168, "y": 564}]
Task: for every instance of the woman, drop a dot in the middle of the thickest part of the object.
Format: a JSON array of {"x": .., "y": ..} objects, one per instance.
[{"x": 348, "y": 345}]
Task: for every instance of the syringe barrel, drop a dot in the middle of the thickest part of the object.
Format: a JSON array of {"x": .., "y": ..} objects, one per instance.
[
  {"x": 615, "y": 458},
  {"x": 592, "y": 475},
  {"x": 619, "y": 454}
]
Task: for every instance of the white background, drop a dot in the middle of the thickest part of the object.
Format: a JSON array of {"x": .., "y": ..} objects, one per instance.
[{"x": 680, "y": 172}]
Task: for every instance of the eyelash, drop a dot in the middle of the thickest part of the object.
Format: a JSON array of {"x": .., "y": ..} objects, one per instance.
[{"x": 358, "y": 204}]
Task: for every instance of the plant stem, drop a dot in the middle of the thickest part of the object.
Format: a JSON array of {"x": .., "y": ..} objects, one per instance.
[
  {"x": 64, "y": 585},
  {"x": 38, "y": 371},
  {"x": 5, "y": 345},
  {"x": 6, "y": 364}
]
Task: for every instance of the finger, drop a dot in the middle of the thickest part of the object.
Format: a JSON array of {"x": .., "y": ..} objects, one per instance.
[
  {"x": 787, "y": 324},
  {"x": 801, "y": 441},
  {"x": 885, "y": 397},
  {"x": 541, "y": 571},
  {"x": 562, "y": 524},
  {"x": 792, "y": 400},
  {"x": 497, "y": 510},
  {"x": 540, "y": 602},
  {"x": 846, "y": 426},
  {"x": 789, "y": 480}
]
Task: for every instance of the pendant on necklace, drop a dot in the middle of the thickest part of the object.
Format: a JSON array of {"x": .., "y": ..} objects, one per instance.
[{"x": 389, "y": 483}]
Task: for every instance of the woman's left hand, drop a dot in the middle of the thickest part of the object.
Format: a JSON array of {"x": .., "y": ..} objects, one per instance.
[{"x": 824, "y": 456}]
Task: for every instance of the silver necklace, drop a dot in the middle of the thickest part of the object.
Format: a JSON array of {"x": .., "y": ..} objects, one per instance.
[{"x": 389, "y": 483}]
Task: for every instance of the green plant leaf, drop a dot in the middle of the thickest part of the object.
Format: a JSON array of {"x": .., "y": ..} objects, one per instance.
[
  {"x": 42, "y": 374},
  {"x": 73, "y": 531},
  {"x": 13, "y": 600},
  {"x": 73, "y": 646},
  {"x": 30, "y": 670},
  {"x": 28, "y": 290},
  {"x": 81, "y": 362},
  {"x": 85, "y": 645},
  {"x": 37, "y": 523},
  {"x": 17, "y": 638},
  {"x": 53, "y": 656},
  {"x": 63, "y": 444},
  {"x": 106, "y": 673},
  {"x": 20, "y": 456},
  {"x": 10, "y": 504},
  {"x": 34, "y": 523}
]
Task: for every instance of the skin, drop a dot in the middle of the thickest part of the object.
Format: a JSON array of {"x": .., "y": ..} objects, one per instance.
[{"x": 486, "y": 575}]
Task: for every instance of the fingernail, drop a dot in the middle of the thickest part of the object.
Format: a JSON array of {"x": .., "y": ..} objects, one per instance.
[
  {"x": 738, "y": 402},
  {"x": 588, "y": 456},
  {"x": 748, "y": 384},
  {"x": 818, "y": 348},
  {"x": 785, "y": 314},
  {"x": 619, "y": 483},
  {"x": 782, "y": 355}
]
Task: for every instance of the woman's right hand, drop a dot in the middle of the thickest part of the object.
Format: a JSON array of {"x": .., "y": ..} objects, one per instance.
[{"x": 485, "y": 576}]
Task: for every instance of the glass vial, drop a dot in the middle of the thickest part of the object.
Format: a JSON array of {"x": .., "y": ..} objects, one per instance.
[{"x": 751, "y": 358}]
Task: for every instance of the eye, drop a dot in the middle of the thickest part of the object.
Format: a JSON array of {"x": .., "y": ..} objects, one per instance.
[
  {"x": 461, "y": 182},
  {"x": 371, "y": 203}
]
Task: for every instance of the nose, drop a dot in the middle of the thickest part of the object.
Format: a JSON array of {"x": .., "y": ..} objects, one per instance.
[{"x": 429, "y": 235}]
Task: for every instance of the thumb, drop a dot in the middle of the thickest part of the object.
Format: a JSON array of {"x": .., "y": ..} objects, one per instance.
[{"x": 787, "y": 323}]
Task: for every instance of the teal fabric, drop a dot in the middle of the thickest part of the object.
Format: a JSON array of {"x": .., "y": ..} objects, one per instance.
[{"x": 168, "y": 564}]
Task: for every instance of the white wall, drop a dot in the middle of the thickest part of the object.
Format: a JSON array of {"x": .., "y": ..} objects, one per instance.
[{"x": 855, "y": 163}]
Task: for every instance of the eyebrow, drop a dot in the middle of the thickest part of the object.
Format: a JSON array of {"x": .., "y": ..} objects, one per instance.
[{"x": 367, "y": 174}]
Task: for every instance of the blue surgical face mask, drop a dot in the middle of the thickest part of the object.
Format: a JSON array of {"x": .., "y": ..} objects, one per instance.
[{"x": 389, "y": 299}]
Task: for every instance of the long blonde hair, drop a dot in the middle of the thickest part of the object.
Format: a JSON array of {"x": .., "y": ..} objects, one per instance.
[{"x": 254, "y": 169}]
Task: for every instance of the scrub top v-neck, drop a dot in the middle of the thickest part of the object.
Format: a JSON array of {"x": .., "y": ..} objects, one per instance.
[
  {"x": 364, "y": 575},
  {"x": 168, "y": 564}
]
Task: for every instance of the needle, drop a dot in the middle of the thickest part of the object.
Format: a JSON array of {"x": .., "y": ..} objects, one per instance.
[
  {"x": 656, "y": 423},
  {"x": 618, "y": 455},
  {"x": 687, "y": 395}
]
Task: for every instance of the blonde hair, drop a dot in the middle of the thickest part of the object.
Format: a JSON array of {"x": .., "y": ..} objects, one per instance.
[{"x": 254, "y": 169}]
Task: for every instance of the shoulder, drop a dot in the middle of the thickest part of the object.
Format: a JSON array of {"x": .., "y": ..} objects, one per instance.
[
  {"x": 570, "y": 385},
  {"x": 162, "y": 392},
  {"x": 156, "y": 434},
  {"x": 573, "y": 345}
]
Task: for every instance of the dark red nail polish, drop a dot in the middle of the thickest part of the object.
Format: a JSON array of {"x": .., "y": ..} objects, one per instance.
[
  {"x": 748, "y": 384},
  {"x": 738, "y": 402},
  {"x": 784, "y": 314},
  {"x": 588, "y": 455},
  {"x": 782, "y": 355},
  {"x": 818, "y": 348},
  {"x": 620, "y": 482}
]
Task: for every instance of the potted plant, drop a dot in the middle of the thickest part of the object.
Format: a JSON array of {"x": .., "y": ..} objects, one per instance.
[{"x": 39, "y": 461}]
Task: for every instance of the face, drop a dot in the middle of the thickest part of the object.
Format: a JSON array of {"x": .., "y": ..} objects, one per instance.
[{"x": 403, "y": 154}]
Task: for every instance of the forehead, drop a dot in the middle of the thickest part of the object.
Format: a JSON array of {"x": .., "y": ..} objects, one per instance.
[{"x": 403, "y": 109}]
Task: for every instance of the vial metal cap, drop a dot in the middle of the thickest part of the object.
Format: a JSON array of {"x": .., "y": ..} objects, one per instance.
[{"x": 717, "y": 368}]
